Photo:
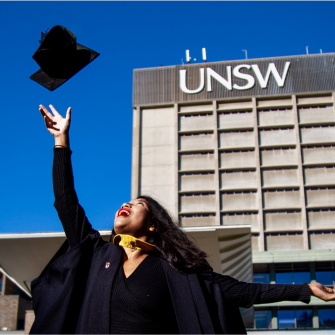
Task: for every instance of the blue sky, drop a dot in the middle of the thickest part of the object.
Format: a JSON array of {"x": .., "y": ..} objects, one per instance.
[{"x": 128, "y": 35}]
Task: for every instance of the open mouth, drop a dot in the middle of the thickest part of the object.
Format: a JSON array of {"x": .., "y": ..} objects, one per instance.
[{"x": 123, "y": 212}]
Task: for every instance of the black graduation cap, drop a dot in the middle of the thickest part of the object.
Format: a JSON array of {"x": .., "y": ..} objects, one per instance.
[{"x": 60, "y": 57}]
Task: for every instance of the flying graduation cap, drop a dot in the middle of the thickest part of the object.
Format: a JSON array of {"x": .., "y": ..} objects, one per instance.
[{"x": 60, "y": 57}]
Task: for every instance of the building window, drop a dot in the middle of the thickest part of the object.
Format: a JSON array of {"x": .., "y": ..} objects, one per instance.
[
  {"x": 261, "y": 274},
  {"x": 325, "y": 273},
  {"x": 286, "y": 319},
  {"x": 295, "y": 319},
  {"x": 327, "y": 318},
  {"x": 296, "y": 273},
  {"x": 263, "y": 319}
]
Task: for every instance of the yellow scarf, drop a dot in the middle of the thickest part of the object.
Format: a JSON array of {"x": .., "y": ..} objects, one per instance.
[{"x": 132, "y": 242}]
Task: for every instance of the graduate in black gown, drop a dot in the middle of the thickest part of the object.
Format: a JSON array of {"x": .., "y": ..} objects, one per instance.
[{"x": 150, "y": 279}]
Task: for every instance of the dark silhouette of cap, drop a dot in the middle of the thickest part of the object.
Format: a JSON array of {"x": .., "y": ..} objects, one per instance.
[{"x": 60, "y": 57}]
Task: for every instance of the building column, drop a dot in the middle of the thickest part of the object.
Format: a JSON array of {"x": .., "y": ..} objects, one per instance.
[
  {"x": 259, "y": 178},
  {"x": 135, "y": 168},
  {"x": 301, "y": 174},
  {"x": 274, "y": 318},
  {"x": 176, "y": 162},
  {"x": 313, "y": 272},
  {"x": 315, "y": 317},
  {"x": 3, "y": 289},
  {"x": 216, "y": 162},
  {"x": 272, "y": 273}
]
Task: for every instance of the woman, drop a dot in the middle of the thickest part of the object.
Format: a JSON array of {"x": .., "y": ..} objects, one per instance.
[{"x": 149, "y": 279}]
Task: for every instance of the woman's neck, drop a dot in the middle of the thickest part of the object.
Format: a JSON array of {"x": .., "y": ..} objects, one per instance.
[{"x": 133, "y": 254}]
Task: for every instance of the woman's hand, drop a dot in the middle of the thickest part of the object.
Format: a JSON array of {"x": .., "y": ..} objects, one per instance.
[
  {"x": 322, "y": 292},
  {"x": 57, "y": 125}
]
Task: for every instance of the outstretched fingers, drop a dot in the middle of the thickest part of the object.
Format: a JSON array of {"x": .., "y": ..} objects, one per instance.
[
  {"x": 54, "y": 110},
  {"x": 68, "y": 114},
  {"x": 44, "y": 111}
]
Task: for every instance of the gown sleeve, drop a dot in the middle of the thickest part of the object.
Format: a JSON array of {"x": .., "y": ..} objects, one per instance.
[
  {"x": 247, "y": 294},
  {"x": 71, "y": 214}
]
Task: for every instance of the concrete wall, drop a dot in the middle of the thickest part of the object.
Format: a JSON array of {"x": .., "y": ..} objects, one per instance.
[
  {"x": 194, "y": 162},
  {"x": 280, "y": 177},
  {"x": 196, "y": 108},
  {"x": 238, "y": 180},
  {"x": 274, "y": 102},
  {"x": 276, "y": 137},
  {"x": 282, "y": 222},
  {"x": 317, "y": 135},
  {"x": 317, "y": 114},
  {"x": 29, "y": 320},
  {"x": 9, "y": 306},
  {"x": 281, "y": 199},
  {"x": 236, "y": 139},
  {"x": 321, "y": 241},
  {"x": 321, "y": 220},
  {"x": 286, "y": 242},
  {"x": 318, "y": 155},
  {"x": 235, "y": 219},
  {"x": 238, "y": 201},
  {"x": 197, "y": 221},
  {"x": 275, "y": 118},
  {"x": 197, "y": 203},
  {"x": 235, "y": 120},
  {"x": 279, "y": 157},
  {"x": 196, "y": 182},
  {"x": 157, "y": 149},
  {"x": 198, "y": 122},
  {"x": 319, "y": 176},
  {"x": 255, "y": 241},
  {"x": 320, "y": 198},
  {"x": 196, "y": 142},
  {"x": 239, "y": 159}
]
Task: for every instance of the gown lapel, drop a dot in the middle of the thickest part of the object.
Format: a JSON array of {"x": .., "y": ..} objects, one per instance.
[
  {"x": 182, "y": 299},
  {"x": 95, "y": 315}
]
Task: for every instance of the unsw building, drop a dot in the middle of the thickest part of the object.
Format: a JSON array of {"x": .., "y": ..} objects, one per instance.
[{"x": 247, "y": 143}]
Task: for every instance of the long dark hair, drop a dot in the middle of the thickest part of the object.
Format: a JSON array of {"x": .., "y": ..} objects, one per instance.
[{"x": 172, "y": 242}]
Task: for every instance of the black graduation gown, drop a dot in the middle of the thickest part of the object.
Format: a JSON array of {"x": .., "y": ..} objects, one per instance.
[{"x": 72, "y": 295}]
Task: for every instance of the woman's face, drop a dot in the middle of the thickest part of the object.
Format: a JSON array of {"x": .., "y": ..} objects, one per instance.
[{"x": 134, "y": 218}]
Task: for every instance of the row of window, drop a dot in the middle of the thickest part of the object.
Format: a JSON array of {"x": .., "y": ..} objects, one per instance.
[
  {"x": 318, "y": 232},
  {"x": 197, "y": 216},
  {"x": 294, "y": 318},
  {"x": 319, "y": 126},
  {"x": 236, "y": 112},
  {"x": 197, "y": 174},
  {"x": 295, "y": 273},
  {"x": 196, "y": 194},
  {"x": 237, "y": 171},
  {"x": 316, "y": 107},
  {"x": 195, "y": 115},
  {"x": 274, "y": 110}
]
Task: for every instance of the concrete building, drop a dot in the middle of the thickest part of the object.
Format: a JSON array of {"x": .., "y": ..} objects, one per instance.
[{"x": 247, "y": 143}]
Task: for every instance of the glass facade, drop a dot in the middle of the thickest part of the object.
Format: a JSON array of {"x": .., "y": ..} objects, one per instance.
[
  {"x": 295, "y": 317},
  {"x": 324, "y": 272},
  {"x": 263, "y": 319},
  {"x": 327, "y": 318},
  {"x": 292, "y": 273}
]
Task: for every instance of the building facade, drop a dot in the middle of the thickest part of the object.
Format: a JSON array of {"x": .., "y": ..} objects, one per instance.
[{"x": 247, "y": 143}]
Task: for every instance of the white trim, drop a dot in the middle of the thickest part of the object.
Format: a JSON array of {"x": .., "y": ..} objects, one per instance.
[
  {"x": 107, "y": 232},
  {"x": 15, "y": 282},
  {"x": 42, "y": 234}
]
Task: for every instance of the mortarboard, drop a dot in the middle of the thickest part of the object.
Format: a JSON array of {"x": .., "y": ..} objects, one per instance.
[{"x": 60, "y": 57}]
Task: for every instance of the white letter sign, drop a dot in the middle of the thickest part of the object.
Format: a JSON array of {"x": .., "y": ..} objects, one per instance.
[{"x": 182, "y": 78}]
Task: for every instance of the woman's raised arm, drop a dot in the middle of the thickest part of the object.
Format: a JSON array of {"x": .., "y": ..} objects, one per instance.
[{"x": 71, "y": 214}]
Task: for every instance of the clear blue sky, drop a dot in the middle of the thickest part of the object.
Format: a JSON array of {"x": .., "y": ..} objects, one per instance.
[{"x": 128, "y": 35}]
